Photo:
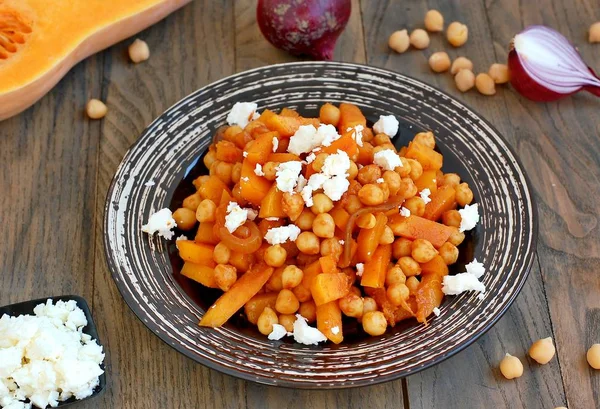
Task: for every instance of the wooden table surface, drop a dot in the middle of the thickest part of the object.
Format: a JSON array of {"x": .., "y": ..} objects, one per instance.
[{"x": 57, "y": 166}]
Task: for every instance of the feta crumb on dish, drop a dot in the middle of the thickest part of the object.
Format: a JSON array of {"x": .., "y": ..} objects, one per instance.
[
  {"x": 481, "y": 296},
  {"x": 341, "y": 242},
  {"x": 311, "y": 158},
  {"x": 387, "y": 159},
  {"x": 459, "y": 283},
  {"x": 469, "y": 217},
  {"x": 387, "y": 124},
  {"x": 476, "y": 268},
  {"x": 277, "y": 333},
  {"x": 279, "y": 235},
  {"x": 335, "y": 330},
  {"x": 258, "y": 171},
  {"x": 149, "y": 183},
  {"x": 161, "y": 222},
  {"x": 272, "y": 219},
  {"x": 241, "y": 113},
  {"x": 182, "y": 237},
  {"x": 245, "y": 178},
  {"x": 252, "y": 214},
  {"x": 425, "y": 195},
  {"x": 335, "y": 187},
  {"x": 380, "y": 180},
  {"x": 360, "y": 269},
  {"x": 303, "y": 140},
  {"x": 286, "y": 175},
  {"x": 46, "y": 357},
  {"x": 305, "y": 334},
  {"x": 404, "y": 212},
  {"x": 315, "y": 182},
  {"x": 336, "y": 164},
  {"x": 245, "y": 154},
  {"x": 436, "y": 311},
  {"x": 301, "y": 183},
  {"x": 235, "y": 217},
  {"x": 275, "y": 144},
  {"x": 333, "y": 178},
  {"x": 326, "y": 135},
  {"x": 357, "y": 135}
]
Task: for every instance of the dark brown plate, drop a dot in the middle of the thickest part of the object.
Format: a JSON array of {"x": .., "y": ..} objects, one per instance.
[{"x": 146, "y": 269}]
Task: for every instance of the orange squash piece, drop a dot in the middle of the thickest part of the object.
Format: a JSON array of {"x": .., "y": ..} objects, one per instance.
[
  {"x": 350, "y": 116},
  {"x": 426, "y": 156},
  {"x": 260, "y": 149},
  {"x": 435, "y": 266},
  {"x": 205, "y": 234},
  {"x": 376, "y": 267},
  {"x": 254, "y": 188},
  {"x": 441, "y": 201},
  {"x": 328, "y": 264},
  {"x": 289, "y": 112},
  {"x": 329, "y": 287},
  {"x": 255, "y": 306},
  {"x": 385, "y": 306},
  {"x": 310, "y": 272},
  {"x": 329, "y": 321},
  {"x": 213, "y": 189},
  {"x": 429, "y": 295},
  {"x": 427, "y": 181},
  {"x": 340, "y": 217},
  {"x": 285, "y": 125},
  {"x": 228, "y": 152},
  {"x": 368, "y": 239},
  {"x": 415, "y": 227},
  {"x": 272, "y": 204},
  {"x": 346, "y": 143},
  {"x": 241, "y": 261},
  {"x": 202, "y": 274},
  {"x": 246, "y": 287},
  {"x": 282, "y": 157},
  {"x": 198, "y": 253}
]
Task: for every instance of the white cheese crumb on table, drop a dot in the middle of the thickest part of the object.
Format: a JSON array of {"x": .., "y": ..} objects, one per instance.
[
  {"x": 425, "y": 195},
  {"x": 459, "y": 283},
  {"x": 149, "y": 183},
  {"x": 241, "y": 113},
  {"x": 279, "y": 235},
  {"x": 469, "y": 217},
  {"x": 476, "y": 268},
  {"x": 387, "y": 124},
  {"x": 436, "y": 311},
  {"x": 161, "y": 222},
  {"x": 387, "y": 159}
]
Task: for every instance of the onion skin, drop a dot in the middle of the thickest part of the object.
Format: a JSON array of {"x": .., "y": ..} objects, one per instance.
[{"x": 304, "y": 27}]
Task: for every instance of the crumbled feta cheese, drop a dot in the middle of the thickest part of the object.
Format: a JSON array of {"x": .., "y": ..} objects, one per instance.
[
  {"x": 182, "y": 237},
  {"x": 241, "y": 113},
  {"x": 404, "y": 212},
  {"x": 311, "y": 158},
  {"x": 342, "y": 242},
  {"x": 303, "y": 140},
  {"x": 245, "y": 178},
  {"x": 357, "y": 135},
  {"x": 161, "y": 222},
  {"x": 425, "y": 195},
  {"x": 275, "y": 144},
  {"x": 460, "y": 283},
  {"x": 272, "y": 219},
  {"x": 360, "y": 269},
  {"x": 305, "y": 334},
  {"x": 279, "y": 235},
  {"x": 436, "y": 311},
  {"x": 252, "y": 214},
  {"x": 315, "y": 182},
  {"x": 235, "y": 217},
  {"x": 301, "y": 183},
  {"x": 277, "y": 333},
  {"x": 335, "y": 187},
  {"x": 149, "y": 183},
  {"x": 336, "y": 164},
  {"x": 387, "y": 159},
  {"x": 380, "y": 180},
  {"x": 326, "y": 135},
  {"x": 245, "y": 154},
  {"x": 387, "y": 124},
  {"x": 335, "y": 330},
  {"x": 287, "y": 174},
  {"x": 258, "y": 171},
  {"x": 469, "y": 217},
  {"x": 476, "y": 268},
  {"x": 481, "y": 297},
  {"x": 332, "y": 178},
  {"x": 255, "y": 116}
]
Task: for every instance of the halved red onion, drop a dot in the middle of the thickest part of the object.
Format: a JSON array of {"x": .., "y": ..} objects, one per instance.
[{"x": 545, "y": 66}]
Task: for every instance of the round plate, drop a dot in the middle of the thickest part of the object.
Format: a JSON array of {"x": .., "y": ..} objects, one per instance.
[{"x": 146, "y": 269}]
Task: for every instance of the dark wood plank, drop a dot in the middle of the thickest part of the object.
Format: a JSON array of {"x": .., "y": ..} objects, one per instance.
[
  {"x": 558, "y": 143},
  {"x": 475, "y": 369},
  {"x": 189, "y": 49}
]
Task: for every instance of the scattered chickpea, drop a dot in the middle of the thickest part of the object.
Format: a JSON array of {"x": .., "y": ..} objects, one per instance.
[
  {"x": 185, "y": 218},
  {"x": 221, "y": 253},
  {"x": 206, "y": 211},
  {"x": 499, "y": 73},
  {"x": 457, "y": 34},
  {"x": 275, "y": 256},
  {"x": 451, "y": 218},
  {"x": 366, "y": 221},
  {"x": 387, "y": 237},
  {"x": 291, "y": 277},
  {"x": 402, "y": 247},
  {"x": 308, "y": 243},
  {"x": 369, "y": 304},
  {"x": 351, "y": 305},
  {"x": 395, "y": 275},
  {"x": 324, "y": 226},
  {"x": 434, "y": 21},
  {"x": 139, "y": 51},
  {"x": 321, "y": 203},
  {"x": 439, "y": 62},
  {"x": 371, "y": 195},
  {"x": 485, "y": 84},
  {"x": 287, "y": 321},
  {"x": 329, "y": 114},
  {"x": 397, "y": 293},
  {"x": 399, "y": 41},
  {"x": 225, "y": 276},
  {"x": 594, "y": 33},
  {"x": 266, "y": 320},
  {"x": 95, "y": 109},
  {"x": 413, "y": 284},
  {"x": 461, "y": 63},
  {"x": 425, "y": 139},
  {"x": 456, "y": 237},
  {"x": 593, "y": 356},
  {"x": 449, "y": 253},
  {"x": 374, "y": 323},
  {"x": 542, "y": 350},
  {"x": 464, "y": 194},
  {"x": 511, "y": 367},
  {"x": 419, "y": 39},
  {"x": 409, "y": 266},
  {"x": 423, "y": 251},
  {"x": 464, "y": 80},
  {"x": 308, "y": 309}
]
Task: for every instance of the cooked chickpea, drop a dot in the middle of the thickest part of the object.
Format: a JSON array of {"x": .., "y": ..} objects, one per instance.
[
  {"x": 221, "y": 253},
  {"x": 206, "y": 211},
  {"x": 192, "y": 201},
  {"x": 96, "y": 109},
  {"x": 223, "y": 171},
  {"x": 319, "y": 161},
  {"x": 423, "y": 251},
  {"x": 275, "y": 256},
  {"x": 511, "y": 367},
  {"x": 464, "y": 80},
  {"x": 499, "y": 73},
  {"x": 371, "y": 195},
  {"x": 286, "y": 302},
  {"x": 236, "y": 172},
  {"x": 451, "y": 218},
  {"x": 366, "y": 221},
  {"x": 270, "y": 170},
  {"x": 209, "y": 159},
  {"x": 399, "y": 41},
  {"x": 416, "y": 205},
  {"x": 425, "y": 139},
  {"x": 387, "y": 237},
  {"x": 408, "y": 188},
  {"x": 324, "y": 225},
  {"x": 439, "y": 61},
  {"x": 369, "y": 174},
  {"x": 369, "y": 304},
  {"x": 305, "y": 220},
  {"x": 393, "y": 181},
  {"x": 321, "y": 203},
  {"x": 291, "y": 277},
  {"x": 266, "y": 320},
  {"x": 456, "y": 237},
  {"x": 332, "y": 247},
  {"x": 457, "y": 34},
  {"x": 287, "y": 321},
  {"x": 308, "y": 243},
  {"x": 593, "y": 356},
  {"x": 394, "y": 275},
  {"x": 450, "y": 179},
  {"x": 594, "y": 34},
  {"x": 236, "y": 192},
  {"x": 351, "y": 305},
  {"x": 464, "y": 195},
  {"x": 448, "y": 252},
  {"x": 308, "y": 309},
  {"x": 353, "y": 204},
  {"x": 434, "y": 21},
  {"x": 329, "y": 114},
  {"x": 419, "y": 39},
  {"x": 461, "y": 63},
  {"x": 542, "y": 350},
  {"x": 139, "y": 51},
  {"x": 302, "y": 293},
  {"x": 292, "y": 205},
  {"x": 416, "y": 169},
  {"x": 225, "y": 276},
  {"x": 485, "y": 84},
  {"x": 402, "y": 247},
  {"x": 408, "y": 265},
  {"x": 185, "y": 218},
  {"x": 381, "y": 139},
  {"x": 374, "y": 323},
  {"x": 352, "y": 171},
  {"x": 413, "y": 284},
  {"x": 397, "y": 293}
]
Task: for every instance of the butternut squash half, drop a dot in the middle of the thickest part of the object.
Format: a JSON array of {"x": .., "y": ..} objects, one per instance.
[{"x": 41, "y": 40}]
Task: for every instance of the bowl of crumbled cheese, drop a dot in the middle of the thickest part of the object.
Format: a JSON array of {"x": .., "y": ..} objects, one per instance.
[{"x": 50, "y": 355}]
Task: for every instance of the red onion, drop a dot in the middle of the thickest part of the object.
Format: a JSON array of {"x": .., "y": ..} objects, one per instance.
[
  {"x": 304, "y": 27},
  {"x": 545, "y": 66}
]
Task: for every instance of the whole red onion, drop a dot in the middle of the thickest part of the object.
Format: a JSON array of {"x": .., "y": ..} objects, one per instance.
[{"x": 304, "y": 27}]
